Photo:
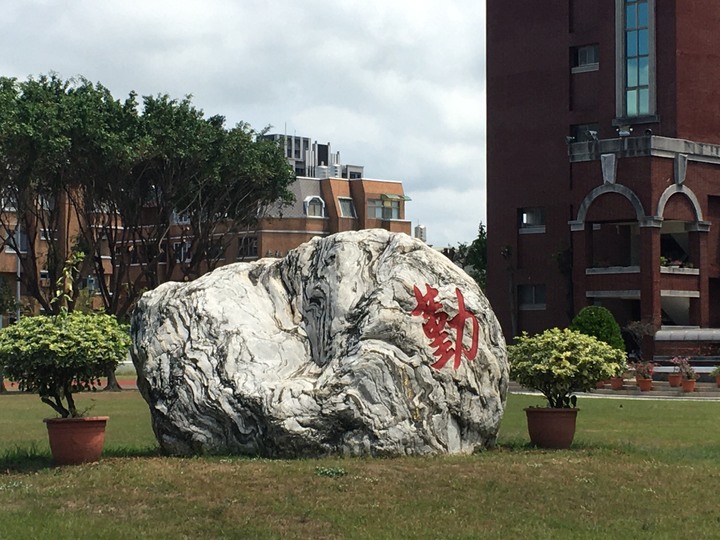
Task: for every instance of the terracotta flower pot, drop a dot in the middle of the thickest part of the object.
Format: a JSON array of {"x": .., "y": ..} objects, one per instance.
[
  {"x": 688, "y": 385},
  {"x": 551, "y": 428},
  {"x": 76, "y": 440},
  {"x": 675, "y": 379},
  {"x": 617, "y": 383},
  {"x": 644, "y": 384},
  {"x": 717, "y": 381}
]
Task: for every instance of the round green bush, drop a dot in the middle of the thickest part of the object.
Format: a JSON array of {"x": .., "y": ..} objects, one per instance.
[
  {"x": 561, "y": 362},
  {"x": 598, "y": 322},
  {"x": 61, "y": 354}
]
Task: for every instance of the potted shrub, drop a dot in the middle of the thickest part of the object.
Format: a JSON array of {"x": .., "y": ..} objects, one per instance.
[
  {"x": 716, "y": 373},
  {"x": 617, "y": 381},
  {"x": 687, "y": 373},
  {"x": 643, "y": 375},
  {"x": 675, "y": 378},
  {"x": 558, "y": 363},
  {"x": 57, "y": 356}
]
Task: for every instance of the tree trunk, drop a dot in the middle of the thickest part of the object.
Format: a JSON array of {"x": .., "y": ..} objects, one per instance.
[{"x": 112, "y": 383}]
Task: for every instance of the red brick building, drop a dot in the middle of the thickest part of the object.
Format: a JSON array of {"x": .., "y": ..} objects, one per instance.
[{"x": 604, "y": 161}]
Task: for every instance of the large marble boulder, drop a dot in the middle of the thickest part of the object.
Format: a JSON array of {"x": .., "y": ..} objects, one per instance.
[{"x": 361, "y": 343}]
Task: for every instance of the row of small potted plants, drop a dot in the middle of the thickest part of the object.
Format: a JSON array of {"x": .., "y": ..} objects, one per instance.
[
  {"x": 559, "y": 363},
  {"x": 683, "y": 375}
]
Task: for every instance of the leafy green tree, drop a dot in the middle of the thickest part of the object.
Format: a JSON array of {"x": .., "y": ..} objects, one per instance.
[
  {"x": 34, "y": 161},
  {"x": 472, "y": 258},
  {"x": 124, "y": 172},
  {"x": 185, "y": 169}
]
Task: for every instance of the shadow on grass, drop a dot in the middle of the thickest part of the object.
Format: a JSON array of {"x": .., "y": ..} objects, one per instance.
[{"x": 30, "y": 459}]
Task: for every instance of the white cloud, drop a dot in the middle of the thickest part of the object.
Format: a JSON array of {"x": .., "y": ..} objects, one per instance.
[
  {"x": 450, "y": 215},
  {"x": 395, "y": 86}
]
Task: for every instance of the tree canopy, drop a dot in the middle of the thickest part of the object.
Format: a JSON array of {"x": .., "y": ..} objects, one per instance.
[
  {"x": 85, "y": 172},
  {"x": 472, "y": 258}
]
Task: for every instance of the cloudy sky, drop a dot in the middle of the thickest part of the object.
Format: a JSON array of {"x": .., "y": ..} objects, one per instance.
[{"x": 394, "y": 85}]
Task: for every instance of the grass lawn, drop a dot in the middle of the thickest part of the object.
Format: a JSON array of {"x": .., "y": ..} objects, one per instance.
[{"x": 639, "y": 469}]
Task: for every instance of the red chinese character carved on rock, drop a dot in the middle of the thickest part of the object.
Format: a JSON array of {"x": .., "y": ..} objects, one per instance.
[{"x": 435, "y": 324}]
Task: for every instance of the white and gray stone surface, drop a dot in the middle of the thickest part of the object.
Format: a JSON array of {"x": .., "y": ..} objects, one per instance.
[{"x": 320, "y": 353}]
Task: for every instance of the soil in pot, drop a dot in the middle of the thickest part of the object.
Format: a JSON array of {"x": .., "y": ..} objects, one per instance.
[{"x": 76, "y": 440}]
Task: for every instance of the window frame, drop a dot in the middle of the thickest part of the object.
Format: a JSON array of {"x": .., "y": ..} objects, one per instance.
[
  {"x": 578, "y": 66},
  {"x": 531, "y": 226},
  {"x": 387, "y": 209},
  {"x": 248, "y": 247},
  {"x": 182, "y": 251},
  {"x": 538, "y": 291},
  {"x": 312, "y": 201},
  {"x": 9, "y": 249},
  {"x": 622, "y": 29},
  {"x": 353, "y": 213}
]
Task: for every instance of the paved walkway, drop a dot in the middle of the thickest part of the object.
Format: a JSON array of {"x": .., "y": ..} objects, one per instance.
[{"x": 661, "y": 390}]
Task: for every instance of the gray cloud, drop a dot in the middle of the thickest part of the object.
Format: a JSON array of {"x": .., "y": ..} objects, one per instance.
[{"x": 395, "y": 86}]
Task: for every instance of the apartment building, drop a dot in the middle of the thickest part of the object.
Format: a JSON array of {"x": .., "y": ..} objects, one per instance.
[{"x": 330, "y": 197}]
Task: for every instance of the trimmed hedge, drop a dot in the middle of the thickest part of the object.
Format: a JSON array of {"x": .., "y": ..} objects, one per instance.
[{"x": 598, "y": 322}]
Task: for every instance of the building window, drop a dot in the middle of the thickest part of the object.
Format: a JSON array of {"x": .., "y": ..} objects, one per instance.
[
  {"x": 16, "y": 238},
  {"x": 216, "y": 251},
  {"x": 347, "y": 208},
  {"x": 531, "y": 297},
  {"x": 585, "y": 58},
  {"x": 182, "y": 251},
  {"x": 90, "y": 284},
  {"x": 383, "y": 209},
  {"x": 46, "y": 203},
  {"x": 48, "y": 234},
  {"x": 8, "y": 204},
  {"x": 531, "y": 220},
  {"x": 314, "y": 207},
  {"x": 180, "y": 218},
  {"x": 635, "y": 45},
  {"x": 247, "y": 247}
]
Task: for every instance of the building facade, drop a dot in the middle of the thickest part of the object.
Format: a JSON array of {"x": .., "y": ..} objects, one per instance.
[
  {"x": 330, "y": 197},
  {"x": 336, "y": 198},
  {"x": 604, "y": 161},
  {"x": 325, "y": 206}
]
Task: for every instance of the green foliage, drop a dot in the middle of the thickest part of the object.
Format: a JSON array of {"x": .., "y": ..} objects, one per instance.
[
  {"x": 472, "y": 258},
  {"x": 561, "y": 362},
  {"x": 61, "y": 354},
  {"x": 125, "y": 168},
  {"x": 330, "y": 472},
  {"x": 683, "y": 366},
  {"x": 643, "y": 370},
  {"x": 7, "y": 297},
  {"x": 597, "y": 321}
]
